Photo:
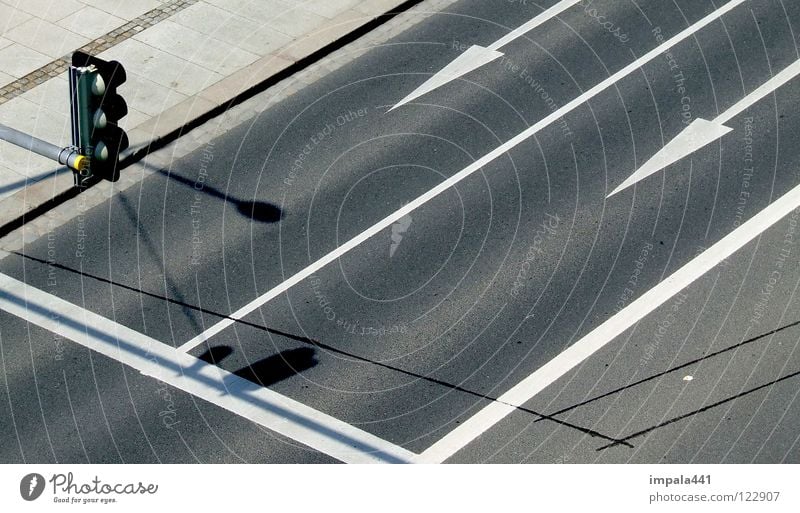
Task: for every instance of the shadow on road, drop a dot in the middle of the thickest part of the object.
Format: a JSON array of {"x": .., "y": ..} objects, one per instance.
[
  {"x": 260, "y": 211},
  {"x": 270, "y": 370},
  {"x": 218, "y": 353}
]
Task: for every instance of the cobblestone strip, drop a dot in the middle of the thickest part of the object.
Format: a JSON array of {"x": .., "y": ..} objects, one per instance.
[{"x": 102, "y": 43}]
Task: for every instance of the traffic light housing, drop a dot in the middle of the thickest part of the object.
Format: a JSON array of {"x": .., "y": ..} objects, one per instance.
[{"x": 96, "y": 111}]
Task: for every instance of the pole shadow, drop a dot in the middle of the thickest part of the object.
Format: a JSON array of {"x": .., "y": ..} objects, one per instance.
[{"x": 259, "y": 211}]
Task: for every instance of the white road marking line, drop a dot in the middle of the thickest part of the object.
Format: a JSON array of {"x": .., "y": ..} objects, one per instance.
[
  {"x": 192, "y": 375},
  {"x": 703, "y": 132},
  {"x": 453, "y": 180},
  {"x": 476, "y": 56},
  {"x": 595, "y": 340}
]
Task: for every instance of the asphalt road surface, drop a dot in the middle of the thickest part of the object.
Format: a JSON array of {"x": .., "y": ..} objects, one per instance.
[{"x": 517, "y": 315}]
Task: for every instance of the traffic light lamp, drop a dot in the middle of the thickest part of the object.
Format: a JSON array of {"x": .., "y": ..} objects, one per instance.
[{"x": 96, "y": 110}]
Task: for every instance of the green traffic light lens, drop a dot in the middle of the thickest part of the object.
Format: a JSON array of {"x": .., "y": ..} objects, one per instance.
[
  {"x": 100, "y": 119},
  {"x": 98, "y": 85},
  {"x": 101, "y": 152}
]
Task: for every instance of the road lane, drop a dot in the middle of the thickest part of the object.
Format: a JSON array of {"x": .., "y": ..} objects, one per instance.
[{"x": 487, "y": 282}]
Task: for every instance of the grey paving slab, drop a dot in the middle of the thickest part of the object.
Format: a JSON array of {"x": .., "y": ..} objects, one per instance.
[
  {"x": 148, "y": 97},
  {"x": 5, "y": 79},
  {"x": 162, "y": 67},
  {"x": 261, "y": 10},
  {"x": 296, "y": 22},
  {"x": 37, "y": 120},
  {"x": 125, "y": 9},
  {"x": 205, "y": 18},
  {"x": 91, "y": 22},
  {"x": 10, "y": 181},
  {"x": 249, "y": 35},
  {"x": 10, "y": 17},
  {"x": 330, "y": 9},
  {"x": 53, "y": 95},
  {"x": 18, "y": 60},
  {"x": 196, "y": 47},
  {"x": 24, "y": 162},
  {"x": 46, "y": 37},
  {"x": 50, "y": 10},
  {"x": 4, "y": 42},
  {"x": 133, "y": 119}
]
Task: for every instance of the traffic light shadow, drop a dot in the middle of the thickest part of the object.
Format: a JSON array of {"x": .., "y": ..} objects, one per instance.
[
  {"x": 269, "y": 370},
  {"x": 260, "y": 211}
]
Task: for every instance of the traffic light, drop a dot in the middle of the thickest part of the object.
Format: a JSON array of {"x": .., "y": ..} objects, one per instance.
[{"x": 96, "y": 110}]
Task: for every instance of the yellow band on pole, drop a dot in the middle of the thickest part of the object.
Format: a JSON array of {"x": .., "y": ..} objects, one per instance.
[{"x": 81, "y": 162}]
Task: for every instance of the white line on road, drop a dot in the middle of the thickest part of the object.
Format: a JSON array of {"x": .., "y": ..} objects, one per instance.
[
  {"x": 453, "y": 180},
  {"x": 476, "y": 56},
  {"x": 703, "y": 132},
  {"x": 192, "y": 375},
  {"x": 616, "y": 325},
  {"x": 542, "y": 17}
]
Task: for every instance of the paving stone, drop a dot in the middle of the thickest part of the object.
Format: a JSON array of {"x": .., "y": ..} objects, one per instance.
[
  {"x": 148, "y": 97},
  {"x": 10, "y": 182},
  {"x": 162, "y": 67},
  {"x": 196, "y": 47},
  {"x": 296, "y": 22},
  {"x": 19, "y": 60},
  {"x": 11, "y": 17},
  {"x": 125, "y": 9},
  {"x": 331, "y": 8},
  {"x": 5, "y": 79},
  {"x": 251, "y": 36},
  {"x": 46, "y": 38},
  {"x": 49, "y": 10},
  {"x": 91, "y": 22}
]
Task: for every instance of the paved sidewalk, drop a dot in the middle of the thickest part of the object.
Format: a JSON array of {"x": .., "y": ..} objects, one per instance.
[{"x": 184, "y": 58}]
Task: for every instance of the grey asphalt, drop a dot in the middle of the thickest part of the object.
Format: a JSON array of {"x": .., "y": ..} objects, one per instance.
[{"x": 416, "y": 329}]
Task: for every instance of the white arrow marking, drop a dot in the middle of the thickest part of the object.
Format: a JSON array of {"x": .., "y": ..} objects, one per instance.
[
  {"x": 703, "y": 132},
  {"x": 456, "y": 178},
  {"x": 476, "y": 56}
]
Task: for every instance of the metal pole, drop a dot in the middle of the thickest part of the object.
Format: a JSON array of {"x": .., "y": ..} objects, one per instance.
[{"x": 67, "y": 156}]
